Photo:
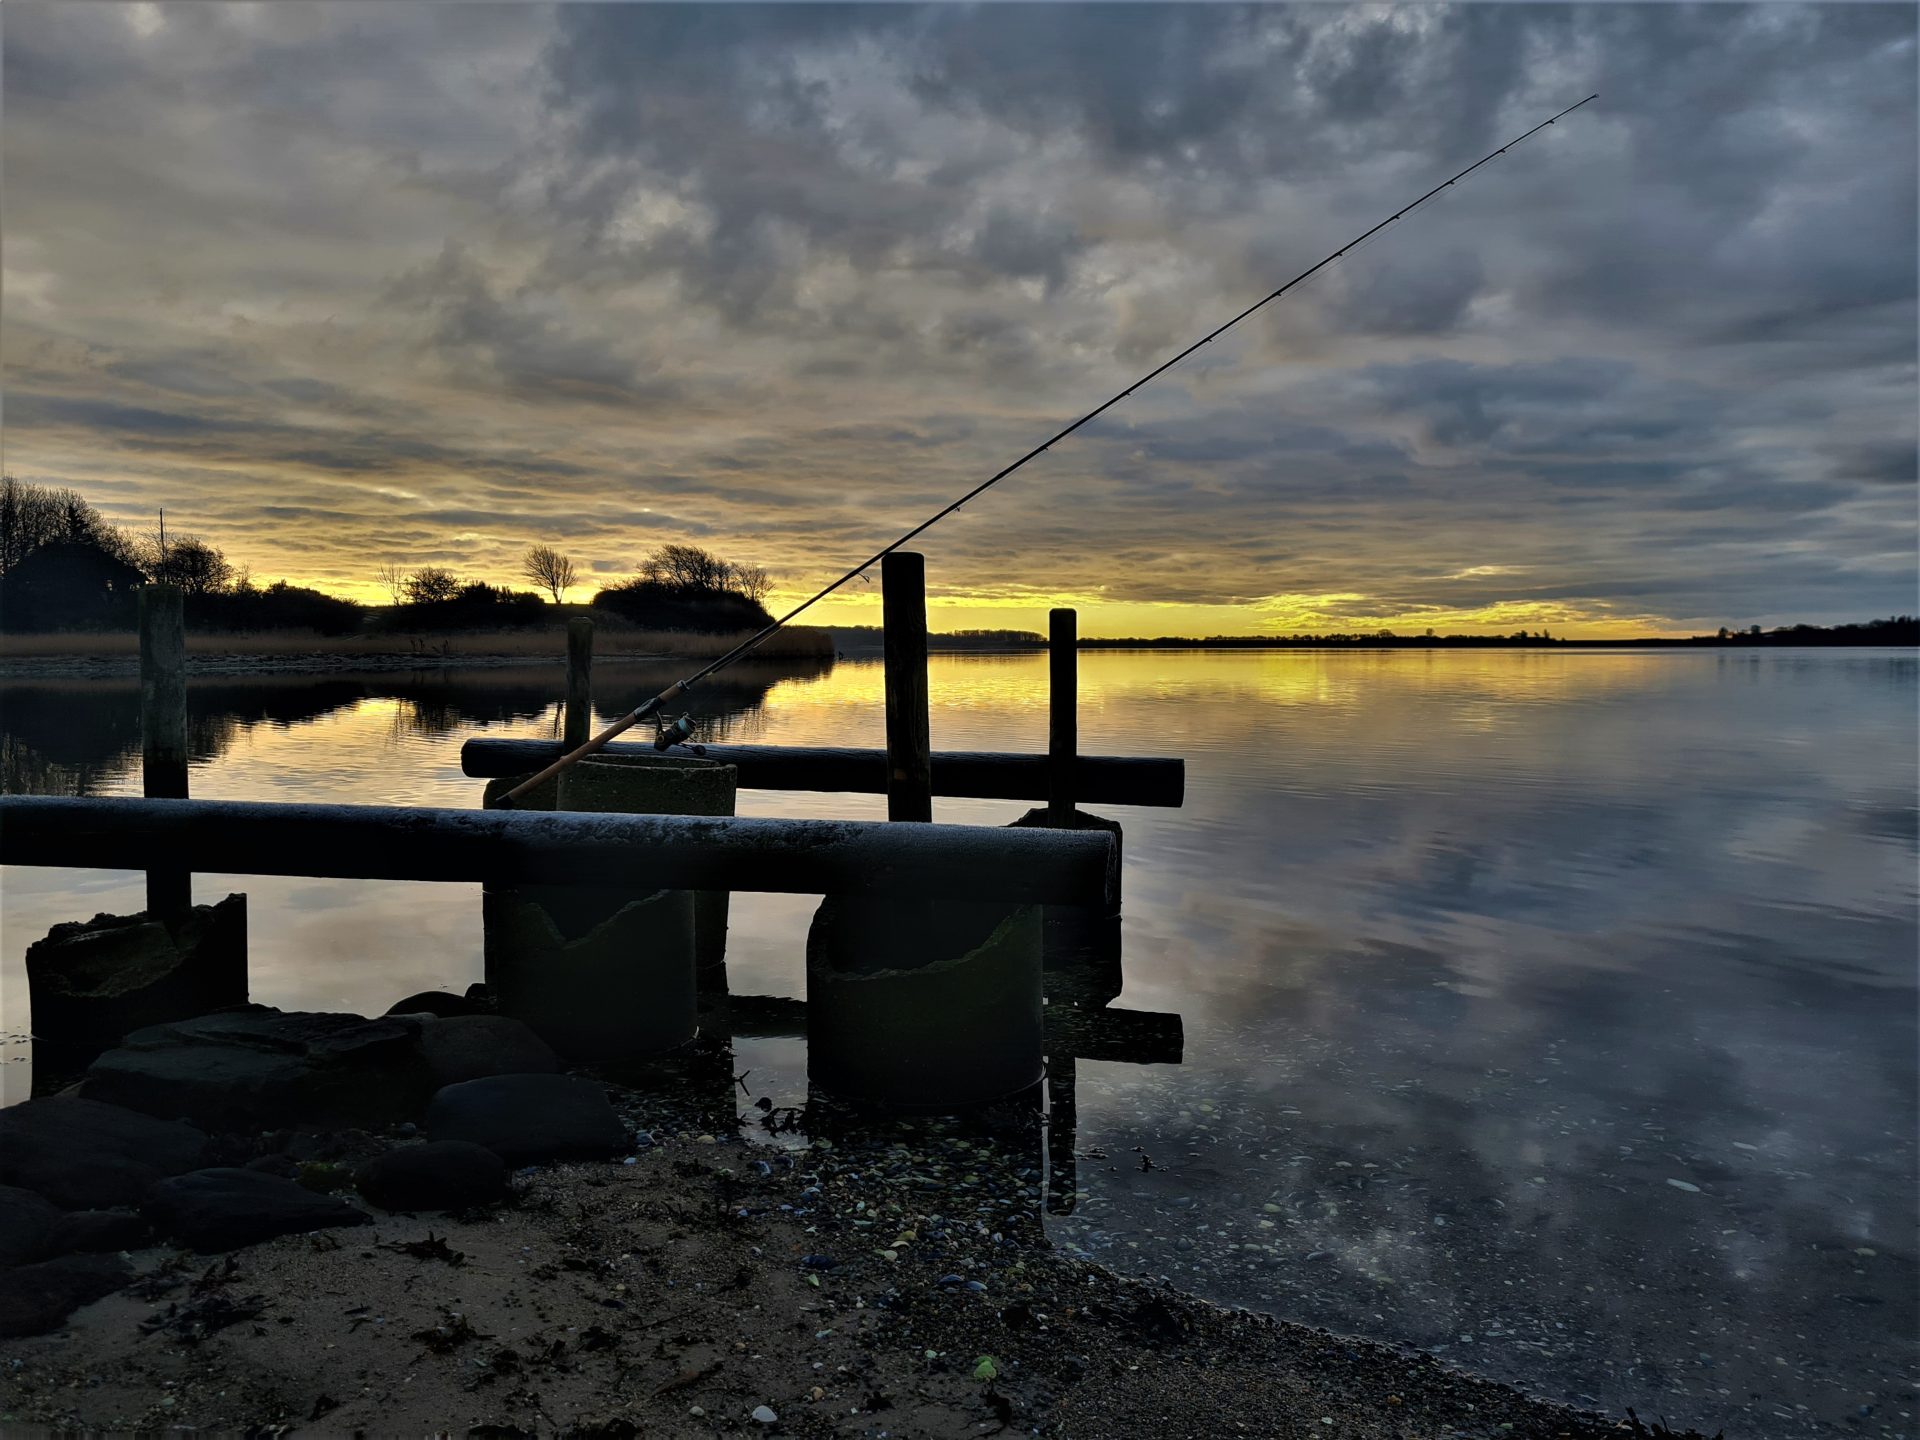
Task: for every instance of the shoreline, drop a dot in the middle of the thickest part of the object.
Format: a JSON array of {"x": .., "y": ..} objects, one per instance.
[{"x": 852, "y": 1289}]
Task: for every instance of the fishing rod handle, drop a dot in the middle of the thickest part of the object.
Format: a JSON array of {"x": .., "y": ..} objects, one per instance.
[{"x": 598, "y": 742}]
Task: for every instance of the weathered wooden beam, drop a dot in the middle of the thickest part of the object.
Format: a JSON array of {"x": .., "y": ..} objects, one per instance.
[
  {"x": 1063, "y": 713},
  {"x": 903, "y": 585},
  {"x": 1140, "y": 1037},
  {"x": 163, "y": 729},
  {"x": 976, "y": 775},
  {"x": 578, "y": 724},
  {"x": 683, "y": 852}
]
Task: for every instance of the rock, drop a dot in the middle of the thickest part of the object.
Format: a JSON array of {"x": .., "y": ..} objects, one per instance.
[
  {"x": 439, "y": 1003},
  {"x": 439, "y": 1175},
  {"x": 472, "y": 1047},
  {"x": 223, "y": 1209},
  {"x": 525, "y": 1119},
  {"x": 37, "y": 1298},
  {"x": 93, "y": 981},
  {"x": 764, "y": 1415},
  {"x": 81, "y": 1153},
  {"x": 95, "y": 1231},
  {"x": 257, "y": 1067},
  {"x": 25, "y": 1222}
]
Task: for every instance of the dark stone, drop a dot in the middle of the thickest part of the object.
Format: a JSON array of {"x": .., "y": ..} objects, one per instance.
[
  {"x": 439, "y": 1175},
  {"x": 93, "y": 1231},
  {"x": 284, "y": 1166},
  {"x": 37, "y": 1298},
  {"x": 223, "y": 1209},
  {"x": 439, "y": 1003},
  {"x": 471, "y": 1047},
  {"x": 25, "y": 1222},
  {"x": 93, "y": 981},
  {"x": 525, "y": 1119},
  {"x": 255, "y": 1067},
  {"x": 80, "y": 1153}
]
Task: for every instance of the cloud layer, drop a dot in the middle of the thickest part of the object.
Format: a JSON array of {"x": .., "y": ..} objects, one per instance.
[{"x": 340, "y": 284}]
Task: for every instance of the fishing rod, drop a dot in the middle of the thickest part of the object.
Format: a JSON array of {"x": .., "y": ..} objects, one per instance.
[{"x": 667, "y": 736}]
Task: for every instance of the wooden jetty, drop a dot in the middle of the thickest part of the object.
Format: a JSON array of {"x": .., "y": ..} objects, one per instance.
[
  {"x": 894, "y": 892},
  {"x": 974, "y": 775}
]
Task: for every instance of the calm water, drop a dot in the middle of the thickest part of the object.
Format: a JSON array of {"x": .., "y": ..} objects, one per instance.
[{"x": 1554, "y": 1011}]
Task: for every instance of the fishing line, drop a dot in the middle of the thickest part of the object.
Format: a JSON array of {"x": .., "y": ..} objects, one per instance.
[{"x": 667, "y": 736}]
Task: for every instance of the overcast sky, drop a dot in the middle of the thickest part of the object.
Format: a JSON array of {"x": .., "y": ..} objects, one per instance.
[{"x": 342, "y": 283}]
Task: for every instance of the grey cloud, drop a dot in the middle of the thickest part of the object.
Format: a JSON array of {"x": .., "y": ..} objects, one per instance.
[{"x": 803, "y": 271}]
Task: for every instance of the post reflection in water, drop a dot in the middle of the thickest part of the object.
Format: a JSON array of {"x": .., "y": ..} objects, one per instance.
[{"x": 1555, "y": 1011}]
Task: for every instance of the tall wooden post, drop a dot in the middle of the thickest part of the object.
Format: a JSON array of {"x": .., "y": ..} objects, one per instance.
[
  {"x": 903, "y": 586},
  {"x": 163, "y": 729},
  {"x": 579, "y": 721},
  {"x": 1063, "y": 718}
]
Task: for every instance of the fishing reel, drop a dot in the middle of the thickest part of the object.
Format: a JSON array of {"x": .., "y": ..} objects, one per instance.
[{"x": 665, "y": 736}]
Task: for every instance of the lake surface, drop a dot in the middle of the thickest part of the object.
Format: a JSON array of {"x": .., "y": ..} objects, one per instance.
[{"x": 1553, "y": 1011}]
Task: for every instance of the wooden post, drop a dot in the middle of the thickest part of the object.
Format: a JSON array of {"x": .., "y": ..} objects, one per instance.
[
  {"x": 163, "y": 729},
  {"x": 1063, "y": 720},
  {"x": 903, "y": 585},
  {"x": 579, "y": 721}
]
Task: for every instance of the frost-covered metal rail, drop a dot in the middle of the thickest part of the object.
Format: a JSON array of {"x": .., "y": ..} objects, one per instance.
[
  {"x": 976, "y": 774},
  {"x": 681, "y": 852}
]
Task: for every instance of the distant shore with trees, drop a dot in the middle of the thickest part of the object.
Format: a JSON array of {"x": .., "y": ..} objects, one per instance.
[
  {"x": 69, "y": 583},
  {"x": 1897, "y": 630}
]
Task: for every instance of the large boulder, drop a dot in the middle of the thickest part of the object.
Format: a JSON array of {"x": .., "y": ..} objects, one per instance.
[
  {"x": 527, "y": 1119},
  {"x": 37, "y": 1298},
  {"x": 471, "y": 1047},
  {"x": 93, "y": 981},
  {"x": 97, "y": 1230},
  {"x": 255, "y": 1067},
  {"x": 26, "y": 1221},
  {"x": 439, "y": 1175},
  {"x": 223, "y": 1209},
  {"x": 81, "y": 1153}
]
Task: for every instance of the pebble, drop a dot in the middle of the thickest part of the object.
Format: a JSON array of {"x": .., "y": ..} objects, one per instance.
[
  {"x": 1684, "y": 1185},
  {"x": 764, "y": 1414}
]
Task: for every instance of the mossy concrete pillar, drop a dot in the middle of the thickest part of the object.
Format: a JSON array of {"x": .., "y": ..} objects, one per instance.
[
  {"x": 664, "y": 785},
  {"x": 618, "y": 989},
  {"x": 611, "y": 973},
  {"x": 1080, "y": 944},
  {"x": 91, "y": 982},
  {"x": 931, "y": 1006}
]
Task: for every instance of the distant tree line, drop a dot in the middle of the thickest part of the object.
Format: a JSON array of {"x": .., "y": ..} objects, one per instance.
[
  {"x": 64, "y": 567},
  {"x": 1898, "y": 630},
  {"x": 682, "y": 587}
]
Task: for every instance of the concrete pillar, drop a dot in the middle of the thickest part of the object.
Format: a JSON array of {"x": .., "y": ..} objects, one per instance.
[
  {"x": 1080, "y": 944},
  {"x": 934, "y": 1006},
  {"x": 611, "y": 973}
]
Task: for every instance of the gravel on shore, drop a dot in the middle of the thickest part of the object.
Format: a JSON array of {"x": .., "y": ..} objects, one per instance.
[{"x": 895, "y": 1285}]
